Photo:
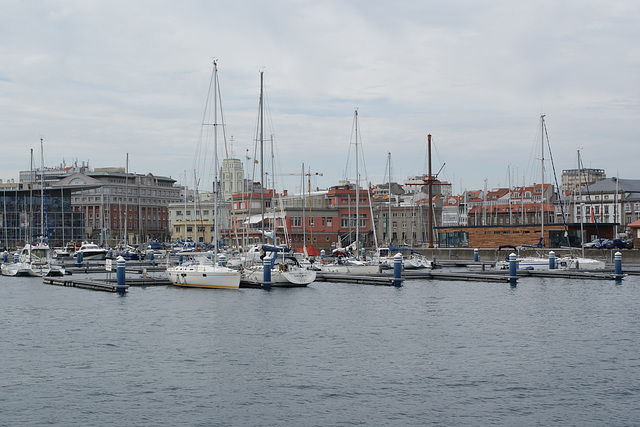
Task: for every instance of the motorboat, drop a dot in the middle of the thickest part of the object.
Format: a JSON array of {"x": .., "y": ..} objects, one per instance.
[
  {"x": 91, "y": 251},
  {"x": 33, "y": 260}
]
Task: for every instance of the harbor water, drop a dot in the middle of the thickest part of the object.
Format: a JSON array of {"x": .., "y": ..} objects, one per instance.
[{"x": 447, "y": 353}]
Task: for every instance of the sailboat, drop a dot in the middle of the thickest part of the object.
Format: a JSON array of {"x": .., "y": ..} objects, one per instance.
[
  {"x": 347, "y": 260},
  {"x": 581, "y": 262},
  {"x": 541, "y": 262},
  {"x": 201, "y": 271},
  {"x": 384, "y": 254},
  {"x": 35, "y": 259},
  {"x": 286, "y": 270}
]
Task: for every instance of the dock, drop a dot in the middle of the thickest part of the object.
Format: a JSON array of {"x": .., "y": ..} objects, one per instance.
[
  {"x": 92, "y": 284},
  {"x": 366, "y": 279},
  {"x": 106, "y": 284},
  {"x": 476, "y": 272}
]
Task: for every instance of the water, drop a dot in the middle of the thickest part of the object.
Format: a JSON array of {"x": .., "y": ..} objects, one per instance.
[{"x": 548, "y": 352}]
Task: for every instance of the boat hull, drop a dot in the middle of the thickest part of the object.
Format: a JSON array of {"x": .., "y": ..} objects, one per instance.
[
  {"x": 279, "y": 278},
  {"x": 350, "y": 269},
  {"x": 199, "y": 276}
]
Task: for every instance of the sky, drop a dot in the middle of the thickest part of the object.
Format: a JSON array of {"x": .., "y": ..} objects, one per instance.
[{"x": 102, "y": 81}]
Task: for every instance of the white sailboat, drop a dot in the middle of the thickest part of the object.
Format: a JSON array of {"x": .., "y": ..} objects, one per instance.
[
  {"x": 581, "y": 262},
  {"x": 201, "y": 271},
  {"x": 540, "y": 262},
  {"x": 286, "y": 270},
  {"x": 345, "y": 262}
]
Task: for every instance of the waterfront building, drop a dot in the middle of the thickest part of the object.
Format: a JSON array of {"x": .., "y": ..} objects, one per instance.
[
  {"x": 574, "y": 178},
  {"x": 120, "y": 207},
  {"x": 194, "y": 219},
  {"x": 311, "y": 220},
  {"x": 232, "y": 178},
  {"x": 23, "y": 220},
  {"x": 611, "y": 200}
]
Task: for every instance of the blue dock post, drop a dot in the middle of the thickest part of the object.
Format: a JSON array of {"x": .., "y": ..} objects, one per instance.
[
  {"x": 222, "y": 260},
  {"x": 121, "y": 287},
  {"x": 322, "y": 254},
  {"x": 618, "y": 265},
  {"x": 552, "y": 260},
  {"x": 16, "y": 258},
  {"x": 476, "y": 255},
  {"x": 5, "y": 257},
  {"x": 180, "y": 259},
  {"x": 79, "y": 259},
  {"x": 266, "y": 274},
  {"x": 513, "y": 275},
  {"x": 397, "y": 269},
  {"x": 151, "y": 256}
]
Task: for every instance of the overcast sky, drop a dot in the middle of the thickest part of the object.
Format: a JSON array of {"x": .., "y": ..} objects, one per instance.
[{"x": 100, "y": 79}]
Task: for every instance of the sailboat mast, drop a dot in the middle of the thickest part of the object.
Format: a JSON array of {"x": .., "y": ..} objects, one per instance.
[
  {"x": 304, "y": 229},
  {"x": 215, "y": 163},
  {"x": 581, "y": 205},
  {"x": 41, "y": 190},
  {"x": 430, "y": 180},
  {"x": 126, "y": 201},
  {"x": 357, "y": 189},
  {"x": 389, "y": 197},
  {"x": 262, "y": 180},
  {"x": 542, "y": 180}
]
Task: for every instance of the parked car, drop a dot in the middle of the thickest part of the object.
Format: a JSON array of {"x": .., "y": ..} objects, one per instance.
[
  {"x": 614, "y": 244},
  {"x": 595, "y": 243},
  {"x": 628, "y": 243}
]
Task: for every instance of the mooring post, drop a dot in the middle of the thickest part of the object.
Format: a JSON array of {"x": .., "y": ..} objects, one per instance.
[
  {"x": 476, "y": 255},
  {"x": 222, "y": 260},
  {"x": 552, "y": 260},
  {"x": 5, "y": 257},
  {"x": 180, "y": 259},
  {"x": 120, "y": 275},
  {"x": 397, "y": 269},
  {"x": 79, "y": 256},
  {"x": 618, "y": 265},
  {"x": 513, "y": 275},
  {"x": 266, "y": 272},
  {"x": 151, "y": 256}
]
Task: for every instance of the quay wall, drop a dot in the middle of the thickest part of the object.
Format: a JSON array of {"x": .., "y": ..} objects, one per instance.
[{"x": 629, "y": 256}]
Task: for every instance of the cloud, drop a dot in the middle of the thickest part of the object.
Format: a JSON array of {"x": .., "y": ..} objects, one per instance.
[{"x": 101, "y": 79}]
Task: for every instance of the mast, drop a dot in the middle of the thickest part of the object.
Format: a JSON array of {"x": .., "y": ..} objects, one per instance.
[
  {"x": 430, "y": 180},
  {"x": 262, "y": 180},
  {"x": 389, "y": 197},
  {"x": 31, "y": 204},
  {"x": 215, "y": 163},
  {"x": 581, "y": 205},
  {"x": 357, "y": 189},
  {"x": 304, "y": 230},
  {"x": 126, "y": 201},
  {"x": 41, "y": 190},
  {"x": 542, "y": 180}
]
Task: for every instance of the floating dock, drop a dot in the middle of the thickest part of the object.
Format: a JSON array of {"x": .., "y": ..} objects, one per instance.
[
  {"x": 106, "y": 285},
  {"x": 366, "y": 279},
  {"x": 94, "y": 285}
]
